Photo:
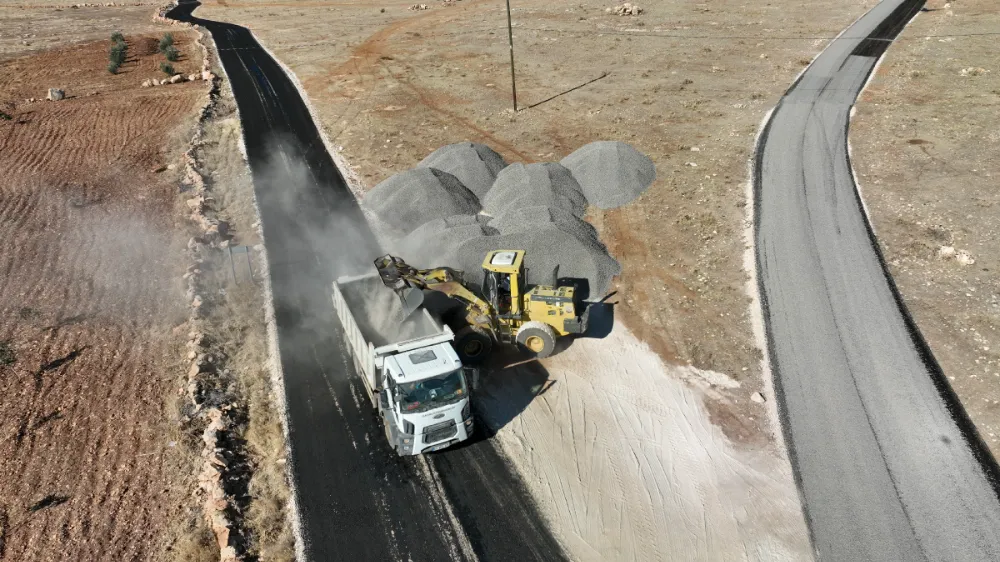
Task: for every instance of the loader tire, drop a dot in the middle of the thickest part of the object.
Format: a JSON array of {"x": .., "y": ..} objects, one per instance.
[
  {"x": 473, "y": 345},
  {"x": 536, "y": 339}
]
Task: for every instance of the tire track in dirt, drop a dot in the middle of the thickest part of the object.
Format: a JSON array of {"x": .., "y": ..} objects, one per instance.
[{"x": 85, "y": 245}]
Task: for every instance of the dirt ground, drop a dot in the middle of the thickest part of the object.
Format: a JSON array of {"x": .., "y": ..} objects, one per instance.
[
  {"x": 90, "y": 291},
  {"x": 925, "y": 141},
  {"x": 685, "y": 83}
]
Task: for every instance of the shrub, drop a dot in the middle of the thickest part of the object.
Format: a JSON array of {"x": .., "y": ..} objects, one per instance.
[
  {"x": 172, "y": 54},
  {"x": 117, "y": 55},
  {"x": 113, "y": 67},
  {"x": 117, "y": 37},
  {"x": 7, "y": 356},
  {"x": 166, "y": 68},
  {"x": 167, "y": 41}
]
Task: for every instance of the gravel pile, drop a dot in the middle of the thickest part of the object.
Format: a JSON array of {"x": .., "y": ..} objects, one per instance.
[
  {"x": 409, "y": 199},
  {"x": 425, "y": 218},
  {"x": 475, "y": 165},
  {"x": 548, "y": 184},
  {"x": 380, "y": 314},
  {"x": 611, "y": 173}
]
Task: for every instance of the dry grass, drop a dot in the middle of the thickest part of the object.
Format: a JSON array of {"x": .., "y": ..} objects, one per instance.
[{"x": 237, "y": 325}]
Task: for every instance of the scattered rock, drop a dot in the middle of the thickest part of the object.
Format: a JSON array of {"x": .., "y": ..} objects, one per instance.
[
  {"x": 418, "y": 7},
  {"x": 757, "y": 397},
  {"x": 207, "y": 76},
  {"x": 55, "y": 94},
  {"x": 626, "y": 9},
  {"x": 192, "y": 77},
  {"x": 946, "y": 252},
  {"x": 147, "y": 83},
  {"x": 176, "y": 78},
  {"x": 973, "y": 71},
  {"x": 964, "y": 258}
]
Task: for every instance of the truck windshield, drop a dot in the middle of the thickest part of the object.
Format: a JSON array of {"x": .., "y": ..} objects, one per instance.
[{"x": 430, "y": 393}]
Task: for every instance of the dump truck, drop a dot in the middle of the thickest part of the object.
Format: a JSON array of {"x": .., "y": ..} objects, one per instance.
[{"x": 413, "y": 376}]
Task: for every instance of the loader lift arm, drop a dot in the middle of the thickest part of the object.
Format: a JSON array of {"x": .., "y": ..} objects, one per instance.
[{"x": 403, "y": 278}]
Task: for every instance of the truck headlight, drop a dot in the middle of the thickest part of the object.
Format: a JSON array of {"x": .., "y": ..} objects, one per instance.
[
  {"x": 407, "y": 427},
  {"x": 467, "y": 410}
]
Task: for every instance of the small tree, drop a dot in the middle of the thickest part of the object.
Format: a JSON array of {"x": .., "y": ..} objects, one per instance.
[
  {"x": 167, "y": 41},
  {"x": 113, "y": 67},
  {"x": 117, "y": 37},
  {"x": 167, "y": 69},
  {"x": 172, "y": 53}
]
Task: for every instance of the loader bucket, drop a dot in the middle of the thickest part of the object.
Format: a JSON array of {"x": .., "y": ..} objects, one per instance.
[{"x": 411, "y": 298}]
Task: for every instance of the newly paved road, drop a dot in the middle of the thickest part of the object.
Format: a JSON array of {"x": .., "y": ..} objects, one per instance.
[
  {"x": 358, "y": 501},
  {"x": 888, "y": 464}
]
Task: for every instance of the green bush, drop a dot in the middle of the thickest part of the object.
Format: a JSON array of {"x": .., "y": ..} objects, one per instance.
[
  {"x": 117, "y": 37},
  {"x": 117, "y": 55},
  {"x": 113, "y": 67},
  {"x": 167, "y": 41},
  {"x": 7, "y": 356},
  {"x": 172, "y": 54},
  {"x": 167, "y": 69}
]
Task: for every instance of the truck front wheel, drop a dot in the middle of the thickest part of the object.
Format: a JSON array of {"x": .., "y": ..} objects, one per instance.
[
  {"x": 472, "y": 345},
  {"x": 536, "y": 339}
]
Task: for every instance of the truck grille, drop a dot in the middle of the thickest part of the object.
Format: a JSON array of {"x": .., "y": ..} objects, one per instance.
[{"x": 440, "y": 431}]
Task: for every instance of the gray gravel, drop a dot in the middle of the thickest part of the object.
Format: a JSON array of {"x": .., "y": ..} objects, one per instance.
[
  {"x": 520, "y": 185},
  {"x": 611, "y": 173},
  {"x": 429, "y": 222},
  {"x": 379, "y": 313},
  {"x": 475, "y": 165},
  {"x": 409, "y": 199}
]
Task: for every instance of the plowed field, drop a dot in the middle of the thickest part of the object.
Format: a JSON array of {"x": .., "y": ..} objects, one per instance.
[{"x": 89, "y": 255}]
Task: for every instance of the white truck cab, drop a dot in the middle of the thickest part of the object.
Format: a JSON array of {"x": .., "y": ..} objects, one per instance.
[{"x": 426, "y": 395}]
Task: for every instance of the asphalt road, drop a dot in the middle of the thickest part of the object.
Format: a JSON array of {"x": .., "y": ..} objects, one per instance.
[
  {"x": 888, "y": 465},
  {"x": 357, "y": 499}
]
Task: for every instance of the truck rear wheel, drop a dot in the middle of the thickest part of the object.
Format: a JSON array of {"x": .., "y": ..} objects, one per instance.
[
  {"x": 472, "y": 345},
  {"x": 536, "y": 339}
]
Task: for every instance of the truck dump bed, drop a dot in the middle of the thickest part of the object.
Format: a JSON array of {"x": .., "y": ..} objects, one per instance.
[{"x": 379, "y": 314}]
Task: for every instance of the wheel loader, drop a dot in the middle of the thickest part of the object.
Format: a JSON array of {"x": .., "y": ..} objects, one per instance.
[{"x": 506, "y": 310}]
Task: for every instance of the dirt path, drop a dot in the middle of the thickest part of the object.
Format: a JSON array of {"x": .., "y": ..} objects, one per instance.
[{"x": 88, "y": 251}]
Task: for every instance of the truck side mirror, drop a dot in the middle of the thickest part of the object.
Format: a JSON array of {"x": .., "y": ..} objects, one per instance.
[{"x": 472, "y": 374}]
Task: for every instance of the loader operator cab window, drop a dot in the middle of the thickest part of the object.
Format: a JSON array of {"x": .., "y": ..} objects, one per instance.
[{"x": 496, "y": 289}]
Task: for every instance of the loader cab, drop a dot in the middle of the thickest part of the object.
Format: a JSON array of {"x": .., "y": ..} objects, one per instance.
[{"x": 503, "y": 273}]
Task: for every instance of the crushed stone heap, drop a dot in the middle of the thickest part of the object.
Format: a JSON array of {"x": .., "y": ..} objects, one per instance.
[
  {"x": 409, "y": 199},
  {"x": 611, "y": 173},
  {"x": 428, "y": 217},
  {"x": 520, "y": 185},
  {"x": 475, "y": 165}
]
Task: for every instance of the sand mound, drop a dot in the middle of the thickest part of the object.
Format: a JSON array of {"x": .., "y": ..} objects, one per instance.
[
  {"x": 475, "y": 165},
  {"x": 531, "y": 185},
  {"x": 411, "y": 198},
  {"x": 611, "y": 173}
]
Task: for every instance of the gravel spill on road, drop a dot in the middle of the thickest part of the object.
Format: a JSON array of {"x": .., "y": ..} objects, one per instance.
[{"x": 425, "y": 217}]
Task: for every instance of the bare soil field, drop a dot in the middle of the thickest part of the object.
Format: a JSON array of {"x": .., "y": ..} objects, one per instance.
[
  {"x": 925, "y": 141},
  {"x": 90, "y": 249},
  {"x": 687, "y": 84}
]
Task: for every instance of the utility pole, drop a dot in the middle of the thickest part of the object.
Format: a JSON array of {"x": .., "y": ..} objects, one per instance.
[{"x": 510, "y": 40}]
